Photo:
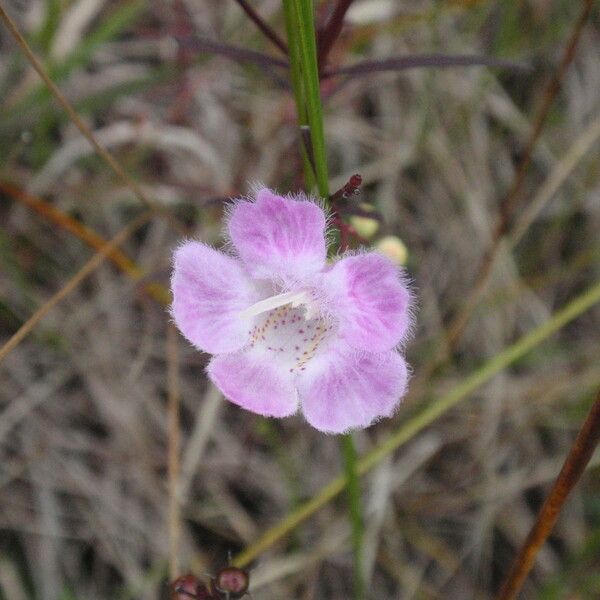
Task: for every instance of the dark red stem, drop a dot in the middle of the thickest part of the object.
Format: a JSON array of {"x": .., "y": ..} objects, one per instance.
[
  {"x": 346, "y": 230},
  {"x": 331, "y": 31},
  {"x": 263, "y": 26}
]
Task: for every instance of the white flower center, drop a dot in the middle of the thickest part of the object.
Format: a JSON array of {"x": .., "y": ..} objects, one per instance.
[{"x": 287, "y": 327}]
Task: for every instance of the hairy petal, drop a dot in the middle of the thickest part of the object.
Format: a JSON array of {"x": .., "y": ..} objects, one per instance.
[
  {"x": 279, "y": 237},
  {"x": 350, "y": 390},
  {"x": 371, "y": 300},
  {"x": 210, "y": 290},
  {"x": 253, "y": 381}
]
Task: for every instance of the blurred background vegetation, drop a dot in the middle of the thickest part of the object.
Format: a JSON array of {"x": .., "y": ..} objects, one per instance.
[{"x": 84, "y": 499}]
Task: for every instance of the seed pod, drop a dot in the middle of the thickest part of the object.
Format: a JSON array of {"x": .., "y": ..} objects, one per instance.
[{"x": 232, "y": 581}]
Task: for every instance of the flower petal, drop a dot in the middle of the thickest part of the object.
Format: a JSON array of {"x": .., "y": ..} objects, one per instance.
[
  {"x": 279, "y": 237},
  {"x": 371, "y": 300},
  {"x": 252, "y": 381},
  {"x": 351, "y": 390},
  {"x": 210, "y": 289}
]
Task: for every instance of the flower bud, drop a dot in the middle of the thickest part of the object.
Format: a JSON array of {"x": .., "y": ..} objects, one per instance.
[
  {"x": 365, "y": 226},
  {"x": 393, "y": 247}
]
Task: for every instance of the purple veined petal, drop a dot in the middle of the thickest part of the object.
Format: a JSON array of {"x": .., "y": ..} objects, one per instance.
[
  {"x": 279, "y": 237},
  {"x": 254, "y": 382},
  {"x": 210, "y": 290},
  {"x": 349, "y": 390},
  {"x": 371, "y": 300}
]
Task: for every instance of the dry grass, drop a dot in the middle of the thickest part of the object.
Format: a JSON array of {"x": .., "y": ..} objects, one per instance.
[{"x": 84, "y": 502}]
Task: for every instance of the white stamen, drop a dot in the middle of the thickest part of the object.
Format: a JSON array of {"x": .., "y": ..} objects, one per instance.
[{"x": 295, "y": 298}]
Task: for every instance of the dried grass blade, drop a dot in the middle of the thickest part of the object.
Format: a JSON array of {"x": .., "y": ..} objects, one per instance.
[
  {"x": 84, "y": 272},
  {"x": 89, "y": 236},
  {"x": 507, "y": 205}
]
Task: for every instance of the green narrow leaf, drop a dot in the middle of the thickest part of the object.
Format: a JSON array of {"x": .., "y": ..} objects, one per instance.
[
  {"x": 111, "y": 27},
  {"x": 45, "y": 35}
]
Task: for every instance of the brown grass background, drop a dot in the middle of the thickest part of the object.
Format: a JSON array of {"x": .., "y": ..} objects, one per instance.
[{"x": 84, "y": 501}]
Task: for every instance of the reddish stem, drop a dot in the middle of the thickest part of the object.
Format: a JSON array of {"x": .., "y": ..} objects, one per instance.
[
  {"x": 580, "y": 454},
  {"x": 263, "y": 26},
  {"x": 346, "y": 230},
  {"x": 331, "y": 31}
]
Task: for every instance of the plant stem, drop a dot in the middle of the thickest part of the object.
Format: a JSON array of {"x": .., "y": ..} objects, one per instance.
[
  {"x": 332, "y": 30},
  {"x": 579, "y": 456},
  {"x": 174, "y": 439},
  {"x": 305, "y": 80},
  {"x": 264, "y": 27},
  {"x": 298, "y": 87},
  {"x": 299, "y": 17},
  {"x": 354, "y": 506}
]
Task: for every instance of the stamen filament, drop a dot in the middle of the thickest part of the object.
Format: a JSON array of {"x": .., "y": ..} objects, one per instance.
[{"x": 295, "y": 298}]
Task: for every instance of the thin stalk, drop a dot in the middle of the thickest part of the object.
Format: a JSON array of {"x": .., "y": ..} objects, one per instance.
[
  {"x": 354, "y": 506},
  {"x": 332, "y": 30},
  {"x": 307, "y": 55},
  {"x": 298, "y": 88},
  {"x": 262, "y": 25},
  {"x": 299, "y": 16},
  {"x": 173, "y": 409},
  {"x": 425, "y": 417},
  {"x": 578, "y": 458}
]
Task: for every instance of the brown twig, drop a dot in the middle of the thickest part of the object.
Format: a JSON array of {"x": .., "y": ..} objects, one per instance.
[
  {"x": 108, "y": 158},
  {"x": 84, "y": 272},
  {"x": 579, "y": 456},
  {"x": 263, "y": 26},
  {"x": 331, "y": 31},
  {"x": 173, "y": 451},
  {"x": 87, "y": 235},
  {"x": 507, "y": 205}
]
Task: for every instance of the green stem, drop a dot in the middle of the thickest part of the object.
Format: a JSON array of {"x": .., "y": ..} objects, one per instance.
[
  {"x": 299, "y": 18},
  {"x": 302, "y": 44},
  {"x": 354, "y": 505},
  {"x": 291, "y": 23}
]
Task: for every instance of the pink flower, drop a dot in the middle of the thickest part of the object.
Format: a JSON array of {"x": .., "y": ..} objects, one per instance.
[{"x": 287, "y": 329}]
